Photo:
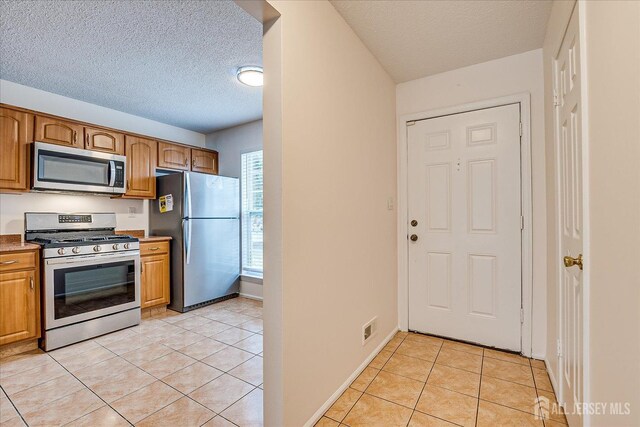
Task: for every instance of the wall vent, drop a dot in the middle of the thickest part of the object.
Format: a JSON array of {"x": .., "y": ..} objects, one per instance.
[{"x": 369, "y": 330}]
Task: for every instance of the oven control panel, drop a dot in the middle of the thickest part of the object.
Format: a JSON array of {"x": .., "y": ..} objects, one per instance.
[
  {"x": 64, "y": 219},
  {"x": 83, "y": 251}
]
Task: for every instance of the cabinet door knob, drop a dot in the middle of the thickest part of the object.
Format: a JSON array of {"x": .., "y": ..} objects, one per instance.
[
  {"x": 31, "y": 282},
  {"x": 13, "y": 261}
]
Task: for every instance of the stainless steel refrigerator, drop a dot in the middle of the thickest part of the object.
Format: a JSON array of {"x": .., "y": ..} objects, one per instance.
[{"x": 202, "y": 215}]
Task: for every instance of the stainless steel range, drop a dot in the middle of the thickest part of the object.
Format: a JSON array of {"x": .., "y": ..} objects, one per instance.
[{"x": 91, "y": 276}]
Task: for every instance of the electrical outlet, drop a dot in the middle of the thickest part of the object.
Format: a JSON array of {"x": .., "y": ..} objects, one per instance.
[
  {"x": 132, "y": 212},
  {"x": 390, "y": 203},
  {"x": 369, "y": 330}
]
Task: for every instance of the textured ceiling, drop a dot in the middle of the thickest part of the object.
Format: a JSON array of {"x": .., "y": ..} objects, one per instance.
[
  {"x": 170, "y": 61},
  {"x": 413, "y": 39}
]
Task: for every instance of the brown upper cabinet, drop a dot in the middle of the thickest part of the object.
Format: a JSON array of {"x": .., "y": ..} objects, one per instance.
[
  {"x": 204, "y": 161},
  {"x": 173, "y": 156},
  {"x": 103, "y": 140},
  {"x": 16, "y": 134},
  {"x": 59, "y": 132},
  {"x": 141, "y": 167}
]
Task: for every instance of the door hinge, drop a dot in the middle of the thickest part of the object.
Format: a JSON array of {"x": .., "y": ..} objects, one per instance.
[
  {"x": 411, "y": 123},
  {"x": 559, "y": 348},
  {"x": 521, "y": 222},
  {"x": 556, "y": 102},
  {"x": 520, "y": 128},
  {"x": 522, "y": 315}
]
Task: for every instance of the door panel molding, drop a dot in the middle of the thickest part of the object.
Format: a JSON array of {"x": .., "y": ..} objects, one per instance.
[{"x": 524, "y": 101}]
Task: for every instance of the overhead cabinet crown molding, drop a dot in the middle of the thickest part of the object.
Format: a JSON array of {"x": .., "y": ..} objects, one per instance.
[{"x": 20, "y": 127}]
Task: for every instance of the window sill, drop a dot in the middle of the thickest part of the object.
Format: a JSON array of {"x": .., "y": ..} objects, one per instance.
[{"x": 251, "y": 277}]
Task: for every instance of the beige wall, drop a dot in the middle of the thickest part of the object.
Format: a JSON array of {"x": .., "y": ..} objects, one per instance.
[
  {"x": 330, "y": 173},
  {"x": 612, "y": 45},
  {"x": 558, "y": 20},
  {"x": 232, "y": 142},
  {"x": 501, "y": 77}
]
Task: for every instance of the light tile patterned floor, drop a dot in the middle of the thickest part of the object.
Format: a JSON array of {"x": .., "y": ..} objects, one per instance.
[
  {"x": 424, "y": 381},
  {"x": 193, "y": 369}
]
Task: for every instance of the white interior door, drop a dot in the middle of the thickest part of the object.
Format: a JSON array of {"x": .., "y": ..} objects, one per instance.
[
  {"x": 465, "y": 216},
  {"x": 569, "y": 139}
]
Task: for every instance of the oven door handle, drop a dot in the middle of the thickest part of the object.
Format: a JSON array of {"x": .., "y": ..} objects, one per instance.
[{"x": 112, "y": 173}]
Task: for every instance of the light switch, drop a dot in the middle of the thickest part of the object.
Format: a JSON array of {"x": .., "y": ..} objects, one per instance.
[
  {"x": 132, "y": 211},
  {"x": 390, "y": 203}
]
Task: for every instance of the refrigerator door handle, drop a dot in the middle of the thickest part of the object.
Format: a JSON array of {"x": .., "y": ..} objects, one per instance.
[
  {"x": 186, "y": 232},
  {"x": 187, "y": 190}
]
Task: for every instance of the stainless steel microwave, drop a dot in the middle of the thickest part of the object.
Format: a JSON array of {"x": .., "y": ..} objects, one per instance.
[{"x": 58, "y": 168}]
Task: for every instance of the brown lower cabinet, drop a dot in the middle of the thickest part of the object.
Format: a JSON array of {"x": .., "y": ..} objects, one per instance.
[
  {"x": 19, "y": 296},
  {"x": 154, "y": 271}
]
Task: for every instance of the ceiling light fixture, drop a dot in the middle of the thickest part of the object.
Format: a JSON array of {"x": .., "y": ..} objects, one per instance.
[{"x": 250, "y": 76}]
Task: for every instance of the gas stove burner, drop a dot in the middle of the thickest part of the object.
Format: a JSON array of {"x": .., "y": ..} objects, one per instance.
[{"x": 67, "y": 240}]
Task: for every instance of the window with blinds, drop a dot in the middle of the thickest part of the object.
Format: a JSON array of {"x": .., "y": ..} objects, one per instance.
[{"x": 251, "y": 182}]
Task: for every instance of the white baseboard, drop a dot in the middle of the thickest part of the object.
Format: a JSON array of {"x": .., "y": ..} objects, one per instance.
[
  {"x": 251, "y": 290},
  {"x": 552, "y": 377},
  {"x": 539, "y": 357},
  {"x": 320, "y": 412},
  {"x": 249, "y": 296}
]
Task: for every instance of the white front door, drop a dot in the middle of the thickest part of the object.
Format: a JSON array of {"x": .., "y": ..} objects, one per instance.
[
  {"x": 569, "y": 140},
  {"x": 465, "y": 226}
]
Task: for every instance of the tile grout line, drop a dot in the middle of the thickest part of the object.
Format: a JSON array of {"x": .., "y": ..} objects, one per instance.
[
  {"x": 196, "y": 361},
  {"x": 89, "y": 388},
  {"x": 115, "y": 355},
  {"x": 14, "y": 407},
  {"x": 365, "y": 389},
  {"x": 425, "y": 383},
  {"x": 479, "y": 389}
]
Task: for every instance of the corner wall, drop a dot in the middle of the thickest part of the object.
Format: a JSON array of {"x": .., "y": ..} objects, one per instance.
[
  {"x": 612, "y": 49},
  {"x": 331, "y": 177},
  {"x": 230, "y": 144},
  {"x": 494, "y": 79}
]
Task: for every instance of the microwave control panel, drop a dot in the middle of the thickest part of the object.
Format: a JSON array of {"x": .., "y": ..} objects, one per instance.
[{"x": 119, "y": 181}]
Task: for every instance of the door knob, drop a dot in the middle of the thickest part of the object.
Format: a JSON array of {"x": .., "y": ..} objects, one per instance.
[
  {"x": 414, "y": 222},
  {"x": 413, "y": 237},
  {"x": 570, "y": 262}
]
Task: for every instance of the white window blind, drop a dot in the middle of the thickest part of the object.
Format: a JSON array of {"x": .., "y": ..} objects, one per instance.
[{"x": 251, "y": 182}]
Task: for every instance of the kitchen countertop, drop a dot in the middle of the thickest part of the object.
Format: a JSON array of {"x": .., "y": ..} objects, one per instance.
[
  {"x": 140, "y": 235},
  {"x": 13, "y": 243},
  {"x": 153, "y": 239}
]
